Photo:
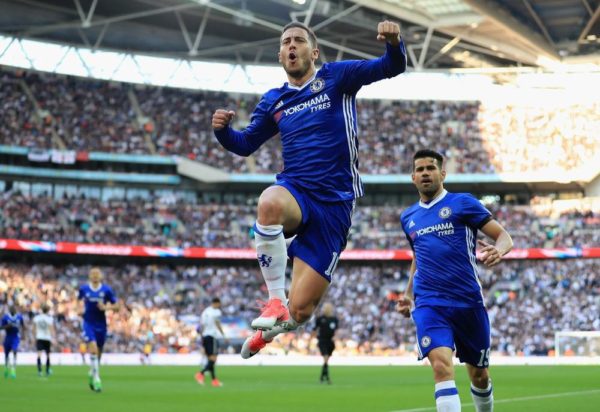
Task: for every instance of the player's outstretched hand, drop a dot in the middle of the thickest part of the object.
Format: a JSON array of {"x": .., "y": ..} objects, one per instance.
[
  {"x": 221, "y": 118},
  {"x": 490, "y": 256},
  {"x": 388, "y": 31},
  {"x": 404, "y": 305},
  {"x": 102, "y": 306}
]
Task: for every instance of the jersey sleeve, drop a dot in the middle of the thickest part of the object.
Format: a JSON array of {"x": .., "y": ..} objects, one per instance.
[
  {"x": 261, "y": 128},
  {"x": 81, "y": 294},
  {"x": 474, "y": 213},
  {"x": 406, "y": 234},
  {"x": 110, "y": 296},
  {"x": 4, "y": 321},
  {"x": 351, "y": 75}
]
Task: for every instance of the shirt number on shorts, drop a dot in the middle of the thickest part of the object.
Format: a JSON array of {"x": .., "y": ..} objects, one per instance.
[
  {"x": 333, "y": 264},
  {"x": 485, "y": 357}
]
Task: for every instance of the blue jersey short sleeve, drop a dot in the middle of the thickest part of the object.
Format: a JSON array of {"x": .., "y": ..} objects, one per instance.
[
  {"x": 473, "y": 212},
  {"x": 110, "y": 295}
]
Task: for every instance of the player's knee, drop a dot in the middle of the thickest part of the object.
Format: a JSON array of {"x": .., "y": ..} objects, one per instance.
[
  {"x": 480, "y": 378},
  {"x": 301, "y": 313},
  {"x": 270, "y": 210},
  {"x": 442, "y": 369}
]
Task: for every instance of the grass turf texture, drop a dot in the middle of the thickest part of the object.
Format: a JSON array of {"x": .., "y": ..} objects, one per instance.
[{"x": 291, "y": 389}]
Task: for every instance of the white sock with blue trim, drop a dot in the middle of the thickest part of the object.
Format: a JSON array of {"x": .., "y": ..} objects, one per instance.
[
  {"x": 446, "y": 397},
  {"x": 483, "y": 398},
  {"x": 272, "y": 258}
]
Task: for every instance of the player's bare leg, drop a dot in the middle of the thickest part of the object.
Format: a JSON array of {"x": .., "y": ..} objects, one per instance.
[
  {"x": 307, "y": 289},
  {"x": 446, "y": 394},
  {"x": 278, "y": 212},
  {"x": 481, "y": 388}
]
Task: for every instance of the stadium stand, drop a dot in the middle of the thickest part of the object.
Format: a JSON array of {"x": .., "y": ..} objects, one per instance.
[
  {"x": 537, "y": 296},
  {"x": 167, "y": 221},
  {"x": 93, "y": 115}
]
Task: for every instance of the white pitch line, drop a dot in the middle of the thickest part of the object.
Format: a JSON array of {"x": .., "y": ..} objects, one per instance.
[{"x": 510, "y": 400}]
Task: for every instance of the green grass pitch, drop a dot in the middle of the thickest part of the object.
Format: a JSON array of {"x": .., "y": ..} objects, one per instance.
[{"x": 291, "y": 389}]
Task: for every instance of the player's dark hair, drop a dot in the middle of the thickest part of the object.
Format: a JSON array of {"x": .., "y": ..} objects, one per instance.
[
  {"x": 311, "y": 34},
  {"x": 429, "y": 153},
  {"x": 216, "y": 300}
]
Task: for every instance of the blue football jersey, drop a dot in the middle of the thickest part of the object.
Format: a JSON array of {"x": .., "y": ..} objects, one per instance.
[
  {"x": 318, "y": 126},
  {"x": 442, "y": 234},
  {"x": 91, "y": 297},
  {"x": 14, "y": 324}
]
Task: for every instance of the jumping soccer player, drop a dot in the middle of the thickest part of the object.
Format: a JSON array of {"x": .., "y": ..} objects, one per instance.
[
  {"x": 449, "y": 312},
  {"x": 12, "y": 323},
  {"x": 97, "y": 298},
  {"x": 313, "y": 197},
  {"x": 325, "y": 327},
  {"x": 210, "y": 321},
  {"x": 44, "y": 330}
]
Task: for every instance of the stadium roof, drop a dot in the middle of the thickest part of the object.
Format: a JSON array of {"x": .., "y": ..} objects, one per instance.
[{"x": 440, "y": 34}]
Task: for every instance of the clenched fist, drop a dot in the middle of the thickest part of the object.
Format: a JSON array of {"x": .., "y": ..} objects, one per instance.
[
  {"x": 221, "y": 118},
  {"x": 388, "y": 31},
  {"x": 404, "y": 305}
]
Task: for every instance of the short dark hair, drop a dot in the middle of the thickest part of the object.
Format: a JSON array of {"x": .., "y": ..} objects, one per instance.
[
  {"x": 429, "y": 153},
  {"x": 216, "y": 300},
  {"x": 311, "y": 34}
]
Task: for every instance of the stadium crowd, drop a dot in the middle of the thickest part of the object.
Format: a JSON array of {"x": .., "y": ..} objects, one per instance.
[
  {"x": 93, "y": 115},
  {"x": 167, "y": 221},
  {"x": 161, "y": 304}
]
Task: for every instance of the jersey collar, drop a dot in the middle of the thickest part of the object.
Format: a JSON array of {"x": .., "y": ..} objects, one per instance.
[
  {"x": 434, "y": 201},
  {"x": 95, "y": 290},
  {"x": 291, "y": 86}
]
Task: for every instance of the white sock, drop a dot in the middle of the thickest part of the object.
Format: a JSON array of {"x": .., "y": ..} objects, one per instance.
[
  {"x": 95, "y": 366},
  {"x": 272, "y": 258},
  {"x": 14, "y": 360},
  {"x": 483, "y": 398},
  {"x": 446, "y": 397}
]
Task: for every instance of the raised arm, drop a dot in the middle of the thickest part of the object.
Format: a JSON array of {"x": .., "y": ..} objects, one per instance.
[{"x": 353, "y": 74}]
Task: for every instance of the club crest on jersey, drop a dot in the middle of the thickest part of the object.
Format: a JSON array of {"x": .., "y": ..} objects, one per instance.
[
  {"x": 445, "y": 212},
  {"x": 425, "y": 341},
  {"x": 317, "y": 85}
]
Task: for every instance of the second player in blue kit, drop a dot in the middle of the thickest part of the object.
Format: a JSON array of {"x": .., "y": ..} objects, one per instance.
[
  {"x": 12, "y": 323},
  {"x": 97, "y": 298},
  {"x": 449, "y": 311}
]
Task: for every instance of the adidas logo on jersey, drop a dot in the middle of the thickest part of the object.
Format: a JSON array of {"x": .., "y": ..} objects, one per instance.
[
  {"x": 411, "y": 224},
  {"x": 278, "y": 105}
]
